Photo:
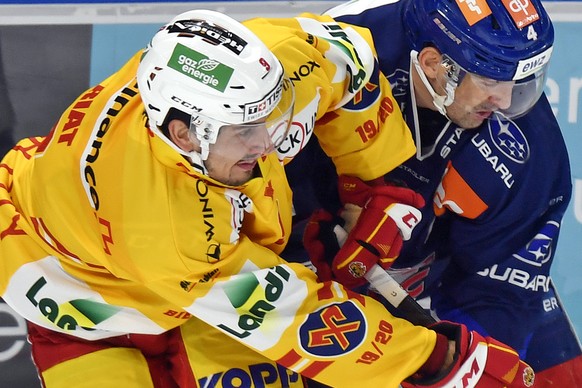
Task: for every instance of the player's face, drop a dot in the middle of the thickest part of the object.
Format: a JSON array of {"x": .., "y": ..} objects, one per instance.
[
  {"x": 476, "y": 98},
  {"x": 232, "y": 160}
]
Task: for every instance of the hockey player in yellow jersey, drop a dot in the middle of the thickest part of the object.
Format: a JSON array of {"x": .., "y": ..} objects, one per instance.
[{"x": 140, "y": 237}]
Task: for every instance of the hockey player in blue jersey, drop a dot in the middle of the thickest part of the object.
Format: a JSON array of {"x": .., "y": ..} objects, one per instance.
[{"x": 491, "y": 165}]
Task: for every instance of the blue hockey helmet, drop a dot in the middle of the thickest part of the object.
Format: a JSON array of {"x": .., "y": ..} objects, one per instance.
[
  {"x": 494, "y": 39},
  {"x": 501, "y": 40}
]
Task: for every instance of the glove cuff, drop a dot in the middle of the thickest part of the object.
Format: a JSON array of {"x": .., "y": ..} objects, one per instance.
[
  {"x": 356, "y": 191},
  {"x": 436, "y": 360}
]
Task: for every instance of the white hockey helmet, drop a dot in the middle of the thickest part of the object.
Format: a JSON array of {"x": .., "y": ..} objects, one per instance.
[{"x": 216, "y": 70}]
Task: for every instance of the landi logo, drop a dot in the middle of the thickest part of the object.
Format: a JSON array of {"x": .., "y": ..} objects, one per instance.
[
  {"x": 200, "y": 68},
  {"x": 72, "y": 314},
  {"x": 254, "y": 300}
]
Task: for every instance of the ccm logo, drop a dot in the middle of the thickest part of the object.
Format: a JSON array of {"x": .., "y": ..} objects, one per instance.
[{"x": 470, "y": 372}]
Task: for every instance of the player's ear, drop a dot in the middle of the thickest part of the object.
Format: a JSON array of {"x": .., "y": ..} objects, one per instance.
[
  {"x": 430, "y": 59},
  {"x": 179, "y": 134}
]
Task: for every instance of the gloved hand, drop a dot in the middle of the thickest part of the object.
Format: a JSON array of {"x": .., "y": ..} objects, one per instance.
[
  {"x": 478, "y": 361},
  {"x": 321, "y": 241},
  {"x": 388, "y": 218}
]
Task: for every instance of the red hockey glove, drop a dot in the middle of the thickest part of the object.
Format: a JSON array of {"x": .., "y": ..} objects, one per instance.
[
  {"x": 388, "y": 217},
  {"x": 321, "y": 242},
  {"x": 480, "y": 362}
]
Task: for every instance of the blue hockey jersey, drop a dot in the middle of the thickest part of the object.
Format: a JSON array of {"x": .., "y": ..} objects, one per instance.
[{"x": 495, "y": 199}]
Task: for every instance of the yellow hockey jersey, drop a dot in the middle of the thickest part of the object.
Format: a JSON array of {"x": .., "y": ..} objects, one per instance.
[{"x": 105, "y": 229}]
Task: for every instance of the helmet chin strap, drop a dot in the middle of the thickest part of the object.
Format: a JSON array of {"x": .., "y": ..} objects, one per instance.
[
  {"x": 195, "y": 157},
  {"x": 206, "y": 132},
  {"x": 198, "y": 158},
  {"x": 204, "y": 149},
  {"x": 440, "y": 102},
  {"x": 197, "y": 161}
]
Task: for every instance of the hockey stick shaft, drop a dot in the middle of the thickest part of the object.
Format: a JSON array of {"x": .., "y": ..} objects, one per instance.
[
  {"x": 391, "y": 290},
  {"x": 397, "y": 296}
]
